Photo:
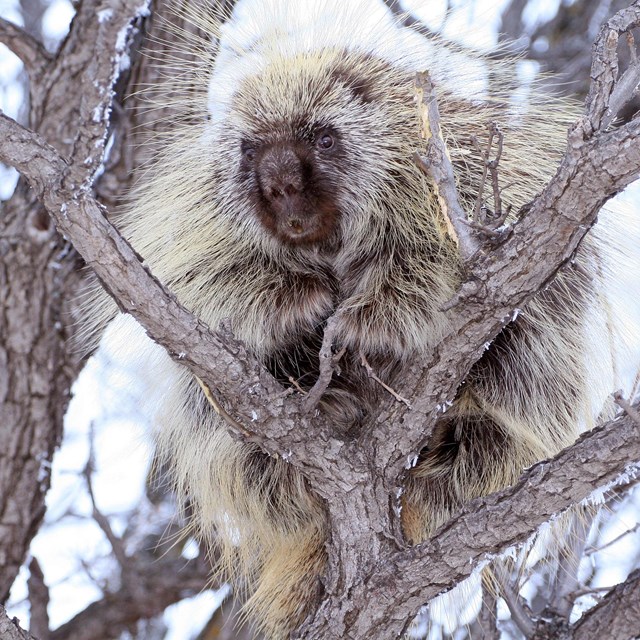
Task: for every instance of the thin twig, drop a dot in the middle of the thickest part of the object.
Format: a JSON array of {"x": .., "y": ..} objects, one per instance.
[
  {"x": 485, "y": 169},
  {"x": 373, "y": 376},
  {"x": 486, "y": 622},
  {"x": 484, "y": 222},
  {"x": 438, "y": 167},
  {"x": 296, "y": 384},
  {"x": 98, "y": 516},
  {"x": 591, "y": 550},
  {"x": 32, "y": 53},
  {"x": 592, "y": 591},
  {"x": 493, "y": 169},
  {"x": 328, "y": 364},
  {"x": 630, "y": 410},
  {"x": 221, "y": 411},
  {"x": 567, "y": 582},
  {"x": 509, "y": 594},
  {"x": 484, "y": 229}
]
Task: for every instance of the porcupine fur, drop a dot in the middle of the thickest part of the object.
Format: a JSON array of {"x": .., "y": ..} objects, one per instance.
[{"x": 202, "y": 218}]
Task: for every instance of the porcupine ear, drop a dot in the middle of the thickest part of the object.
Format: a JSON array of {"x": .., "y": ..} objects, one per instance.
[{"x": 360, "y": 86}]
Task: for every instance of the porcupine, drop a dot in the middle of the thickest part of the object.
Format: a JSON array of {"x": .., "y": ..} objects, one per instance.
[{"x": 295, "y": 193}]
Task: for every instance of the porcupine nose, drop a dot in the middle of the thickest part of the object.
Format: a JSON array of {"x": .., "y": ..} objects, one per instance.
[{"x": 280, "y": 173}]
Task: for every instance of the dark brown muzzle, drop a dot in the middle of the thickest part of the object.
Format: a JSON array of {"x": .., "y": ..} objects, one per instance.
[
  {"x": 281, "y": 176},
  {"x": 295, "y": 203}
]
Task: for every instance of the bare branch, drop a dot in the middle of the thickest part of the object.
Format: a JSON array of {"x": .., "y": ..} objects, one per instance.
[
  {"x": 471, "y": 538},
  {"x": 408, "y": 20},
  {"x": 509, "y": 592},
  {"x": 43, "y": 270},
  {"x": 371, "y": 373},
  {"x": 487, "y": 621},
  {"x": 628, "y": 409},
  {"x": 438, "y": 167},
  {"x": 10, "y": 629},
  {"x": 591, "y": 550},
  {"x": 562, "y": 598},
  {"x": 116, "y": 544},
  {"x": 550, "y": 232},
  {"x": 484, "y": 220},
  {"x": 38, "y": 601},
  {"x": 618, "y": 613},
  {"x": 328, "y": 364},
  {"x": 32, "y": 53},
  {"x": 161, "y": 582},
  {"x": 294, "y": 383},
  {"x": 546, "y": 236},
  {"x": 138, "y": 293},
  {"x": 608, "y": 93}
]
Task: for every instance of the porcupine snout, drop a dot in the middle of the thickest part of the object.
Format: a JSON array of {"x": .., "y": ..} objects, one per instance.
[
  {"x": 297, "y": 204},
  {"x": 281, "y": 176}
]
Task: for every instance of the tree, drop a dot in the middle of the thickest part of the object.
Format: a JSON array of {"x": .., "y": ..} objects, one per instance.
[{"x": 61, "y": 154}]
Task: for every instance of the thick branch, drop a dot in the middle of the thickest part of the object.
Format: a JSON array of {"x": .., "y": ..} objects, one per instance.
[
  {"x": 38, "y": 270},
  {"x": 489, "y": 525},
  {"x": 547, "y": 235},
  {"x": 222, "y": 364},
  {"x": 10, "y": 629}
]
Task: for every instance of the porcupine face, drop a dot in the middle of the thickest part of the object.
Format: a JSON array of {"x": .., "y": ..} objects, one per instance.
[
  {"x": 294, "y": 187},
  {"x": 307, "y": 155}
]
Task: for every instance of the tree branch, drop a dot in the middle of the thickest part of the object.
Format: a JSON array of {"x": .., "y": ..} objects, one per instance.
[
  {"x": 501, "y": 279},
  {"x": 548, "y": 233},
  {"x": 161, "y": 582},
  {"x": 472, "y": 538},
  {"x": 10, "y": 629},
  {"x": 328, "y": 364},
  {"x": 81, "y": 218},
  {"x": 618, "y": 613},
  {"x": 438, "y": 167},
  {"x": 38, "y": 601},
  {"x": 608, "y": 93},
  {"x": 39, "y": 269},
  {"x": 32, "y": 53}
]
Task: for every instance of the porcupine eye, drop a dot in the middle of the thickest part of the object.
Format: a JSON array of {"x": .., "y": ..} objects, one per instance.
[
  {"x": 325, "y": 142},
  {"x": 249, "y": 154}
]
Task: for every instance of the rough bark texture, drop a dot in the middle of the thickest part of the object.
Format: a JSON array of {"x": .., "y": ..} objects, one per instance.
[
  {"x": 39, "y": 270},
  {"x": 618, "y": 613},
  {"x": 9, "y": 629},
  {"x": 374, "y": 583}
]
